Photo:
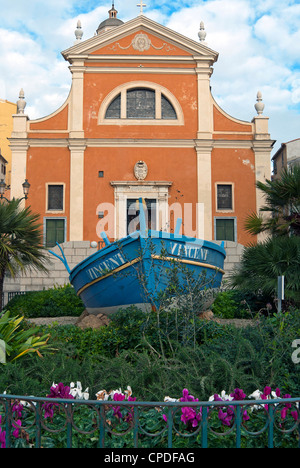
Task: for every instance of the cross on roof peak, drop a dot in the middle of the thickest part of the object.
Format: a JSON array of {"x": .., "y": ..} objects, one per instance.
[{"x": 141, "y": 5}]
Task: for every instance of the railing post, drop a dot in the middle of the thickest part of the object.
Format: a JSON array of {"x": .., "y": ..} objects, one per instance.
[
  {"x": 69, "y": 426},
  {"x": 8, "y": 422},
  {"x": 204, "y": 435},
  {"x": 170, "y": 427},
  {"x": 102, "y": 427},
  {"x": 135, "y": 427},
  {"x": 238, "y": 411},
  {"x": 38, "y": 435},
  {"x": 271, "y": 427}
]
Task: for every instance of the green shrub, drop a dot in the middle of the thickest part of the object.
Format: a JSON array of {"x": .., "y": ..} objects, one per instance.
[
  {"x": 223, "y": 358},
  {"x": 235, "y": 304},
  {"x": 18, "y": 340},
  {"x": 56, "y": 302}
]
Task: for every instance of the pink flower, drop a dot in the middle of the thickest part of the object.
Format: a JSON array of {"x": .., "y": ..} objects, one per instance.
[
  {"x": 267, "y": 391},
  {"x": 2, "y": 439},
  {"x": 238, "y": 395},
  {"x": 56, "y": 391},
  {"x": 294, "y": 414},
  {"x": 117, "y": 410},
  {"x": 17, "y": 428}
]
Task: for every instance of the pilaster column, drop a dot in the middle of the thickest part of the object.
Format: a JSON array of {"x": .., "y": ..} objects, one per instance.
[
  {"x": 76, "y": 107},
  {"x": 262, "y": 147},
  {"x": 19, "y": 148},
  {"x": 205, "y": 102},
  {"x": 204, "y": 190},
  {"x": 77, "y": 149}
]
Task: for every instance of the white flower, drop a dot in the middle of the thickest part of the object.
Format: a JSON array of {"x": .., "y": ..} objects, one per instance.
[
  {"x": 223, "y": 396},
  {"x": 171, "y": 400},
  {"x": 111, "y": 394},
  {"x": 128, "y": 392},
  {"x": 102, "y": 395},
  {"x": 77, "y": 392},
  {"x": 256, "y": 395}
]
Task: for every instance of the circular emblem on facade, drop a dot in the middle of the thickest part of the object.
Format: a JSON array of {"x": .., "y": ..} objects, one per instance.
[
  {"x": 141, "y": 42},
  {"x": 140, "y": 170}
]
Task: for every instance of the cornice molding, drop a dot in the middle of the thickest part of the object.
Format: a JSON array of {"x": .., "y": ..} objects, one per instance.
[
  {"x": 135, "y": 25},
  {"x": 198, "y": 145}
]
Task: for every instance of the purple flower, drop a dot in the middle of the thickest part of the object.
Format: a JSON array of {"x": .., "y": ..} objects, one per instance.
[
  {"x": 60, "y": 391},
  {"x": 17, "y": 427},
  {"x": 2, "y": 436},
  {"x": 186, "y": 396},
  {"x": 245, "y": 416},
  {"x": 2, "y": 439},
  {"x": 238, "y": 394},
  {"x": 17, "y": 408},
  {"x": 294, "y": 414},
  {"x": 267, "y": 391},
  {"x": 217, "y": 397},
  {"x": 189, "y": 415},
  {"x": 56, "y": 391},
  {"x": 117, "y": 410},
  {"x": 225, "y": 417}
]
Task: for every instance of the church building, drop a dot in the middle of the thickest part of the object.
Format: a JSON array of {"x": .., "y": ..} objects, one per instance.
[{"x": 140, "y": 121}]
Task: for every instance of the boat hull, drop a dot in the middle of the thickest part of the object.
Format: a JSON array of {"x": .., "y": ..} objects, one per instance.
[{"x": 136, "y": 269}]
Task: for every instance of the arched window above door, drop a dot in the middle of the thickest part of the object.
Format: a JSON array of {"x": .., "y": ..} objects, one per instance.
[{"x": 140, "y": 105}]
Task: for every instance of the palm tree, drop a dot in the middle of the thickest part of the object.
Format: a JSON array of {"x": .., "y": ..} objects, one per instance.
[
  {"x": 262, "y": 263},
  {"x": 282, "y": 203},
  {"x": 21, "y": 243},
  {"x": 279, "y": 255}
]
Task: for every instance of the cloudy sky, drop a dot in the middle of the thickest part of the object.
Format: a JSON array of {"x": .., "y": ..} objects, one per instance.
[{"x": 258, "y": 42}]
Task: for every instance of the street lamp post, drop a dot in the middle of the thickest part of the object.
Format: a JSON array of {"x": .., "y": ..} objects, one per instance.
[{"x": 4, "y": 187}]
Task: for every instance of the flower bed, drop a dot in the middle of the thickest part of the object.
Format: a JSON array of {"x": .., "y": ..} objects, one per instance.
[{"x": 117, "y": 420}]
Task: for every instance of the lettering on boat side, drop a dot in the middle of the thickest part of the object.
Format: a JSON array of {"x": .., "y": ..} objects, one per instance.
[
  {"x": 190, "y": 251},
  {"x": 106, "y": 266}
]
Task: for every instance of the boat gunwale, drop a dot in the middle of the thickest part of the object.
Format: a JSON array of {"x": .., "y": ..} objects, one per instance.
[{"x": 135, "y": 236}]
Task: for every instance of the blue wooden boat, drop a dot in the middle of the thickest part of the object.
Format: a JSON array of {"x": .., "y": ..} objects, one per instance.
[{"x": 136, "y": 269}]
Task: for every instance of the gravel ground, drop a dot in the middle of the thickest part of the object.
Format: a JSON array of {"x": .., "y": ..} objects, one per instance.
[
  {"x": 51, "y": 320},
  {"x": 239, "y": 323}
]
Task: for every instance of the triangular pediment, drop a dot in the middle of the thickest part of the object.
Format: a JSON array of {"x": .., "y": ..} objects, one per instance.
[{"x": 140, "y": 36}]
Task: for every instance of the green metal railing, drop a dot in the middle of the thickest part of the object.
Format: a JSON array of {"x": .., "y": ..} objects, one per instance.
[{"x": 132, "y": 424}]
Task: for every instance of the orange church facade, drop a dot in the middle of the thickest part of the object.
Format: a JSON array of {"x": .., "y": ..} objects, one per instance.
[{"x": 140, "y": 121}]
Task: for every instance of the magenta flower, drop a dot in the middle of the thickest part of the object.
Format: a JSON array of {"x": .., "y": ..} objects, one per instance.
[
  {"x": 117, "y": 410},
  {"x": 17, "y": 408},
  {"x": 294, "y": 415},
  {"x": 186, "y": 396},
  {"x": 226, "y": 417},
  {"x": 56, "y": 391},
  {"x": 267, "y": 391},
  {"x": 17, "y": 427},
  {"x": 2, "y": 439},
  {"x": 2, "y": 436},
  {"x": 238, "y": 394},
  {"x": 189, "y": 415}
]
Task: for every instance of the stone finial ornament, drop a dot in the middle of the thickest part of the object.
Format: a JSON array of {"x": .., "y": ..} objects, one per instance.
[
  {"x": 202, "y": 32},
  {"x": 78, "y": 31},
  {"x": 259, "y": 106},
  {"x": 21, "y": 103}
]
